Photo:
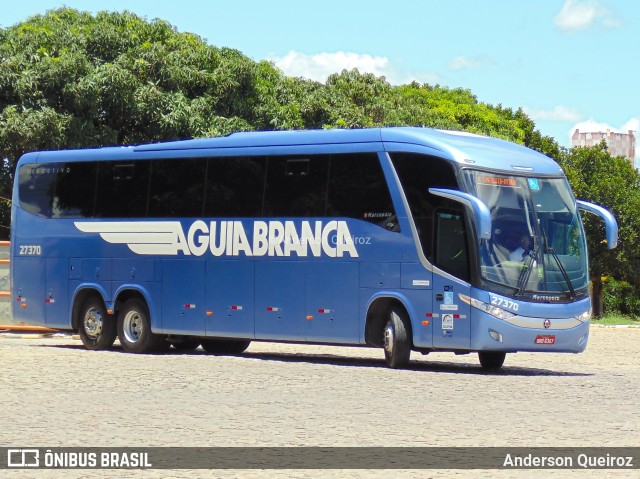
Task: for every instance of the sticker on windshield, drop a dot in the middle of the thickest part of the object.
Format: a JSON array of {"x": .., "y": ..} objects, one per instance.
[
  {"x": 497, "y": 181},
  {"x": 533, "y": 183}
]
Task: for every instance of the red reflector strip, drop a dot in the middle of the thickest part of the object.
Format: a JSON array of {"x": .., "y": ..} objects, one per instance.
[
  {"x": 456, "y": 316},
  {"x": 49, "y": 300},
  {"x": 429, "y": 315},
  {"x": 271, "y": 308},
  {"x": 189, "y": 306},
  {"x": 236, "y": 308},
  {"x": 325, "y": 311}
]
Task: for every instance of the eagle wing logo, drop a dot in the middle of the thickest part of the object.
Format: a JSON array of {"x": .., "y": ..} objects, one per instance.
[{"x": 142, "y": 237}]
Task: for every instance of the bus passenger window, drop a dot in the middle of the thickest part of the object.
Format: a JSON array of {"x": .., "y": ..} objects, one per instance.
[
  {"x": 235, "y": 187},
  {"x": 122, "y": 189},
  {"x": 177, "y": 188},
  {"x": 36, "y": 189},
  {"x": 358, "y": 189},
  {"x": 417, "y": 174},
  {"x": 296, "y": 186},
  {"x": 75, "y": 190}
]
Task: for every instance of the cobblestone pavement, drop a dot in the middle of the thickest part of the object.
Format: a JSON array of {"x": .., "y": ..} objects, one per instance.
[{"x": 54, "y": 393}]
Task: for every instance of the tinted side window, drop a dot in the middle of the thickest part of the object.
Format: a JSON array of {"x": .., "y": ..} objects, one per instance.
[
  {"x": 451, "y": 252},
  {"x": 36, "y": 184},
  {"x": 75, "y": 191},
  {"x": 235, "y": 187},
  {"x": 296, "y": 186},
  {"x": 417, "y": 174},
  {"x": 122, "y": 189},
  {"x": 177, "y": 188},
  {"x": 358, "y": 189}
]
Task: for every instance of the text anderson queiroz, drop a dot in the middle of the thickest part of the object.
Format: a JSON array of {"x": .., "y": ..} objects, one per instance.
[{"x": 585, "y": 461}]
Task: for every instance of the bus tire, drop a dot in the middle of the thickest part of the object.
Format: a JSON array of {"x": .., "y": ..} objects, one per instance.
[
  {"x": 491, "y": 359},
  {"x": 96, "y": 328},
  {"x": 134, "y": 328},
  {"x": 396, "y": 339},
  {"x": 224, "y": 346},
  {"x": 186, "y": 344}
]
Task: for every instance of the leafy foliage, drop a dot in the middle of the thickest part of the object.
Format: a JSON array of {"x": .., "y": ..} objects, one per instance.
[
  {"x": 617, "y": 188},
  {"x": 614, "y": 183},
  {"x": 621, "y": 297}
]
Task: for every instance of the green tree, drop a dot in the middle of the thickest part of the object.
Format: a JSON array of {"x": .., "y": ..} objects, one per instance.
[
  {"x": 69, "y": 79},
  {"x": 614, "y": 183}
]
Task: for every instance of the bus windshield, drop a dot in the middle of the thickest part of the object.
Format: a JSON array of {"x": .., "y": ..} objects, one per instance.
[{"x": 537, "y": 248}]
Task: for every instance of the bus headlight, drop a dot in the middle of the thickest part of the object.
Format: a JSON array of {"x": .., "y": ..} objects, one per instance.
[
  {"x": 487, "y": 308},
  {"x": 584, "y": 317}
]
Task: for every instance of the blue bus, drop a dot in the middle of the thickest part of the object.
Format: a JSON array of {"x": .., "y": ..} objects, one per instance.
[{"x": 406, "y": 239}]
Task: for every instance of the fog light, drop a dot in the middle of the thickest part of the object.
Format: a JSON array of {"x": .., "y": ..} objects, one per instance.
[
  {"x": 495, "y": 335},
  {"x": 582, "y": 339}
]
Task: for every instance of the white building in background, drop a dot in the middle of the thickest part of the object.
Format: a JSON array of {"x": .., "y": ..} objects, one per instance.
[{"x": 619, "y": 144}]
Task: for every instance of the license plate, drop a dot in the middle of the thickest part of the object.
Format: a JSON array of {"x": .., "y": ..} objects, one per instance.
[{"x": 545, "y": 339}]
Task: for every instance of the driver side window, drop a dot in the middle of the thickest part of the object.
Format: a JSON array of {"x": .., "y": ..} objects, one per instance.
[{"x": 450, "y": 243}]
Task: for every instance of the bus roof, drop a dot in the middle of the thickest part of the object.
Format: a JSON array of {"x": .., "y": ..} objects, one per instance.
[{"x": 458, "y": 146}]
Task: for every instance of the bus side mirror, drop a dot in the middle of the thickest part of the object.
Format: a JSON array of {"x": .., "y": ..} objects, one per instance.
[
  {"x": 478, "y": 209},
  {"x": 610, "y": 222}
]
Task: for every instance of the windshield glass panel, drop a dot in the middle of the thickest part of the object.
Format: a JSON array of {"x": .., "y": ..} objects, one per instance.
[{"x": 537, "y": 248}]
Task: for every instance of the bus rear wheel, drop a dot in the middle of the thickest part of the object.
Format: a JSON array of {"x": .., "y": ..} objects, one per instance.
[
  {"x": 224, "y": 346},
  {"x": 134, "y": 328},
  {"x": 491, "y": 359},
  {"x": 96, "y": 328},
  {"x": 397, "y": 339}
]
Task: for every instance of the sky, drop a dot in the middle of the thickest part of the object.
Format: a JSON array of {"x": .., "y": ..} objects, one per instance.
[{"x": 568, "y": 63}]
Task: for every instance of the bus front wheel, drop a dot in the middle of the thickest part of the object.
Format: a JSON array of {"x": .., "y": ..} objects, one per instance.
[
  {"x": 397, "y": 339},
  {"x": 96, "y": 328},
  {"x": 491, "y": 359},
  {"x": 134, "y": 328}
]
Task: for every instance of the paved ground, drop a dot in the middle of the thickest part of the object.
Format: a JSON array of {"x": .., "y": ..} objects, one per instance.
[{"x": 54, "y": 393}]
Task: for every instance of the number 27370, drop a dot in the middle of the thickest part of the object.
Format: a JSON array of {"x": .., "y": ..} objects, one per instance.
[{"x": 30, "y": 250}]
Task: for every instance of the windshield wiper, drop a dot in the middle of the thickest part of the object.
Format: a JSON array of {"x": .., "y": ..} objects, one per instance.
[
  {"x": 525, "y": 274},
  {"x": 563, "y": 271}
]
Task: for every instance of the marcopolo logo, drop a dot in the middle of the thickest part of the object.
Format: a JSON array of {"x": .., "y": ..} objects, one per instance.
[{"x": 228, "y": 238}]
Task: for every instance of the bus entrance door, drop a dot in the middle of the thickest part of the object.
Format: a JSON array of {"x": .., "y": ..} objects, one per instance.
[{"x": 451, "y": 315}]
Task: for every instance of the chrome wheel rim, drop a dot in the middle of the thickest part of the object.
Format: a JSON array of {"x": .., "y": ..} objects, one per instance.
[
  {"x": 92, "y": 323},
  {"x": 388, "y": 338},
  {"x": 132, "y": 326}
]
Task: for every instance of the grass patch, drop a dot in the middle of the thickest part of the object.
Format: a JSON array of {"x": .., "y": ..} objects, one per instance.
[{"x": 616, "y": 319}]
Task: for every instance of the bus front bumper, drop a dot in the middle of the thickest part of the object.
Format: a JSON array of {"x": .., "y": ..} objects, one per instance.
[{"x": 560, "y": 335}]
